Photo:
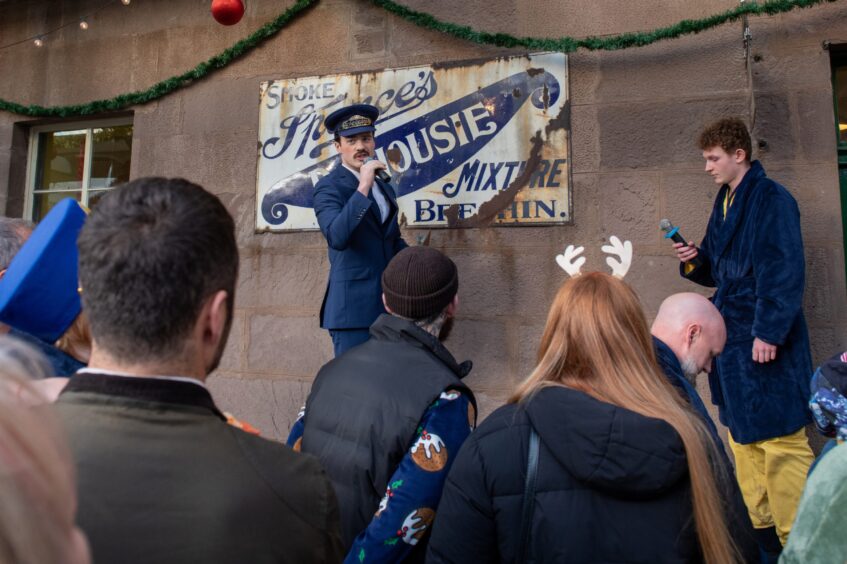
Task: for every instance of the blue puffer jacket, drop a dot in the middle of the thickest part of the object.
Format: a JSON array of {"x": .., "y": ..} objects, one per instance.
[{"x": 612, "y": 486}]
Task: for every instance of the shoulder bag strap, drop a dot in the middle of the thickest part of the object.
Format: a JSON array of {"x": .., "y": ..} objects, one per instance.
[{"x": 528, "y": 495}]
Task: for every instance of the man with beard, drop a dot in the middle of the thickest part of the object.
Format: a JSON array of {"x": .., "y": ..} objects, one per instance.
[
  {"x": 687, "y": 334},
  {"x": 357, "y": 213},
  {"x": 387, "y": 418},
  {"x": 162, "y": 477}
]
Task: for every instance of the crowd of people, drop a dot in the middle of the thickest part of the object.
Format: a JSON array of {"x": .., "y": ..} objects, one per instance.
[{"x": 112, "y": 449}]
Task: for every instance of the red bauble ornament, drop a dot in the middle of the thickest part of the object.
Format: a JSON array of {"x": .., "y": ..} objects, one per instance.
[{"x": 227, "y": 12}]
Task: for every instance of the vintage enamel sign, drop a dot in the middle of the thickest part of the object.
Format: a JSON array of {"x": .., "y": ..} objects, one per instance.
[{"x": 468, "y": 144}]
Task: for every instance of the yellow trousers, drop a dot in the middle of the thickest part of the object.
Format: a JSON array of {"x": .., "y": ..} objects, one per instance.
[{"x": 771, "y": 475}]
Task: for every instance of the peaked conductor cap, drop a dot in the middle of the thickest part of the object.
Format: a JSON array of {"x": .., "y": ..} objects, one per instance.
[
  {"x": 39, "y": 292},
  {"x": 352, "y": 120}
]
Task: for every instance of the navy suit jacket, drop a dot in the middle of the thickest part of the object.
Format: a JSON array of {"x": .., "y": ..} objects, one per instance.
[
  {"x": 360, "y": 247},
  {"x": 755, "y": 259}
]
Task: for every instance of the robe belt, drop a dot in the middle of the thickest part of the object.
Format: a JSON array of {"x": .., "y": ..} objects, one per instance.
[{"x": 729, "y": 286}]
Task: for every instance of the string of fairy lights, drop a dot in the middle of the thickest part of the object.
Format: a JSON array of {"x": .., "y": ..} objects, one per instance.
[{"x": 83, "y": 22}]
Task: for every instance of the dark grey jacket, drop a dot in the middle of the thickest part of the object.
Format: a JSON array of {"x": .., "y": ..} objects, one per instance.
[
  {"x": 163, "y": 478},
  {"x": 364, "y": 409}
]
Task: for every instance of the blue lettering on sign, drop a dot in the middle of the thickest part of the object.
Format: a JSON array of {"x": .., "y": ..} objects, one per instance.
[
  {"x": 428, "y": 211},
  {"x": 476, "y": 176},
  {"x": 424, "y": 149}
]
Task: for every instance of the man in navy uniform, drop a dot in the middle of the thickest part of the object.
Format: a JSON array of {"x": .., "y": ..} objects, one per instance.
[{"x": 357, "y": 214}]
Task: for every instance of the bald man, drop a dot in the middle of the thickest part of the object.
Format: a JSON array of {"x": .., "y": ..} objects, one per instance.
[{"x": 687, "y": 334}]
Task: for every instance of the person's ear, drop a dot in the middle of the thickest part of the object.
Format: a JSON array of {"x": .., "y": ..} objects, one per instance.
[
  {"x": 692, "y": 333},
  {"x": 740, "y": 156},
  {"x": 217, "y": 316},
  {"x": 385, "y": 304},
  {"x": 3, "y": 273},
  {"x": 453, "y": 306}
]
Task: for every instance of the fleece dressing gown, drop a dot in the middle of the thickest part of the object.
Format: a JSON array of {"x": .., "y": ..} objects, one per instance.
[{"x": 754, "y": 257}]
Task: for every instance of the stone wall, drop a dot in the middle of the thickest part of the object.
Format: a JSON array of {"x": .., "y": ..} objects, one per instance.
[{"x": 635, "y": 115}]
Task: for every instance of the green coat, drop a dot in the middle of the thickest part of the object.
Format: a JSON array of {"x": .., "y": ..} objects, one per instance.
[
  {"x": 163, "y": 478},
  {"x": 818, "y": 531}
]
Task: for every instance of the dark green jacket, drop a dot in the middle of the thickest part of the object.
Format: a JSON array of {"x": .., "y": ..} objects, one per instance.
[{"x": 163, "y": 478}]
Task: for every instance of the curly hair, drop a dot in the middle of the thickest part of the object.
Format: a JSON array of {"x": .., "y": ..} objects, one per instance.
[{"x": 729, "y": 134}]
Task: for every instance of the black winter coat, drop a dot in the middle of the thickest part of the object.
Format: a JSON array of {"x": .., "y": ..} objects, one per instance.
[{"x": 612, "y": 486}]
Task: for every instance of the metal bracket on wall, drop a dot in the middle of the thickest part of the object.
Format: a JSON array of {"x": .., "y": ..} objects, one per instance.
[{"x": 747, "y": 39}]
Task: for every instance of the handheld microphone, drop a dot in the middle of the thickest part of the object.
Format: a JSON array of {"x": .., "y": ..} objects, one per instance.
[
  {"x": 672, "y": 233},
  {"x": 381, "y": 174}
]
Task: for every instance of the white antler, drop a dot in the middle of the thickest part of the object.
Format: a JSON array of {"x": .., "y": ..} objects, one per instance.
[
  {"x": 567, "y": 262},
  {"x": 622, "y": 250}
]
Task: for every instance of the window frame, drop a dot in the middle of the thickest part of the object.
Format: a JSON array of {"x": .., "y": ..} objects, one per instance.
[{"x": 32, "y": 156}]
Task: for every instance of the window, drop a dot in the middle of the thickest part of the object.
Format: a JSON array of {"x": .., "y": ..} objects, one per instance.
[{"x": 80, "y": 160}]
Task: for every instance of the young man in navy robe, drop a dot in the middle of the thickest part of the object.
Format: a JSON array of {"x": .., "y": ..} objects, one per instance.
[
  {"x": 357, "y": 214},
  {"x": 753, "y": 254}
]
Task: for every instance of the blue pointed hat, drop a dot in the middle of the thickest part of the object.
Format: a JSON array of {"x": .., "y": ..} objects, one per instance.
[{"x": 39, "y": 293}]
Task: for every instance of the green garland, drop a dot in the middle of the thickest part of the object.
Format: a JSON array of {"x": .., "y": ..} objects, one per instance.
[
  {"x": 171, "y": 84},
  {"x": 611, "y": 43},
  {"x": 563, "y": 44}
]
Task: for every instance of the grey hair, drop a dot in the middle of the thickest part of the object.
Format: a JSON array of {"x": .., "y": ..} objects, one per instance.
[
  {"x": 21, "y": 361},
  {"x": 14, "y": 232}
]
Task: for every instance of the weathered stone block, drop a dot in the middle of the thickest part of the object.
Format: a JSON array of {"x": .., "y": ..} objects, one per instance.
[
  {"x": 224, "y": 163},
  {"x": 7, "y": 125},
  {"x": 315, "y": 43},
  {"x": 483, "y": 286},
  {"x": 629, "y": 204},
  {"x": 655, "y": 277},
  {"x": 826, "y": 342},
  {"x": 688, "y": 200},
  {"x": 824, "y": 271},
  {"x": 107, "y": 73},
  {"x": 216, "y": 105},
  {"x": 529, "y": 339},
  {"x": 583, "y": 77},
  {"x": 585, "y": 138},
  {"x": 159, "y": 118},
  {"x": 787, "y": 61},
  {"x": 771, "y": 127},
  {"x": 630, "y": 138},
  {"x": 485, "y": 342},
  {"x": 670, "y": 71},
  {"x": 233, "y": 356},
  {"x": 536, "y": 277},
  {"x": 820, "y": 207},
  {"x": 580, "y": 19},
  {"x": 410, "y": 41},
  {"x": 815, "y": 133},
  {"x": 269, "y": 405},
  {"x": 294, "y": 281},
  {"x": 368, "y": 43},
  {"x": 287, "y": 346}
]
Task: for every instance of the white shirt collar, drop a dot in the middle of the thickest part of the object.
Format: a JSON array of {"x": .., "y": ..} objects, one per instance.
[
  {"x": 128, "y": 375},
  {"x": 353, "y": 170}
]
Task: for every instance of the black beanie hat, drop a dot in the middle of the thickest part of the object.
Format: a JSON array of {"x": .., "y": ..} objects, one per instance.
[{"x": 419, "y": 282}]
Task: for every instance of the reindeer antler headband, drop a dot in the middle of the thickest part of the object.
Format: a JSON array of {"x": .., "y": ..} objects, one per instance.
[{"x": 571, "y": 262}]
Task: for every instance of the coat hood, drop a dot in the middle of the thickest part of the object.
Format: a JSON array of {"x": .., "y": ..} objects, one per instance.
[{"x": 610, "y": 448}]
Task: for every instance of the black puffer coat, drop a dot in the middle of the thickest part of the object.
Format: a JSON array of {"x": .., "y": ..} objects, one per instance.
[{"x": 612, "y": 486}]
